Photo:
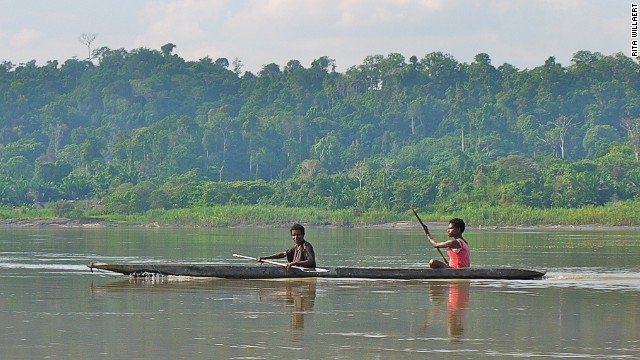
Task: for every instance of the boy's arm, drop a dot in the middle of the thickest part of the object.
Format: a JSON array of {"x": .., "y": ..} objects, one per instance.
[
  {"x": 441, "y": 245},
  {"x": 274, "y": 256}
]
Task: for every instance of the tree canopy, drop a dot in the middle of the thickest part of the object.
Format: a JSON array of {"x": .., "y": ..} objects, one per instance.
[{"x": 144, "y": 128}]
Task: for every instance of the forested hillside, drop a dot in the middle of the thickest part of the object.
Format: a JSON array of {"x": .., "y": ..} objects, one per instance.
[{"x": 143, "y": 129}]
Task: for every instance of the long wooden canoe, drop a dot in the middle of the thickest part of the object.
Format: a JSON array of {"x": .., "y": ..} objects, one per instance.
[{"x": 271, "y": 272}]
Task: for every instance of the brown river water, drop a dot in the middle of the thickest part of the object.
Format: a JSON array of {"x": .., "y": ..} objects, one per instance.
[{"x": 53, "y": 307}]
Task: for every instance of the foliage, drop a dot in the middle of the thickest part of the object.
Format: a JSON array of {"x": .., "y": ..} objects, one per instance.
[{"x": 144, "y": 130}]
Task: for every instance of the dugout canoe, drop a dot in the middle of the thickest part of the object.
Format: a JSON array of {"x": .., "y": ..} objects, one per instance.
[{"x": 271, "y": 272}]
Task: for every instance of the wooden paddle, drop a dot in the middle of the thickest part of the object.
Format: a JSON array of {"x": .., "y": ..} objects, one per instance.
[
  {"x": 301, "y": 268},
  {"x": 426, "y": 232}
]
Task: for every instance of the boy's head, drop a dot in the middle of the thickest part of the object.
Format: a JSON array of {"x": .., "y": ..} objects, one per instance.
[
  {"x": 458, "y": 223},
  {"x": 297, "y": 227}
]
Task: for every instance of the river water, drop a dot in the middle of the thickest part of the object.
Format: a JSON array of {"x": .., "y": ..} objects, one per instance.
[{"x": 53, "y": 307}]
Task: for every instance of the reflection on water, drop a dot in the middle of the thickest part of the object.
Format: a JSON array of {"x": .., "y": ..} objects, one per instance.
[
  {"x": 297, "y": 295},
  {"x": 452, "y": 297},
  {"x": 457, "y": 307},
  {"x": 301, "y": 295}
]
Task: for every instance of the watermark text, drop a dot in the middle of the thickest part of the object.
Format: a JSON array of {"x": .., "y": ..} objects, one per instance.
[{"x": 634, "y": 30}]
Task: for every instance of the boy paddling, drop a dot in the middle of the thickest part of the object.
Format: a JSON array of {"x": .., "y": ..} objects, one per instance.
[
  {"x": 301, "y": 254},
  {"x": 457, "y": 247}
]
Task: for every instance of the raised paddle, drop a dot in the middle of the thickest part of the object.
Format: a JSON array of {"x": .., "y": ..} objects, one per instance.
[
  {"x": 301, "y": 268},
  {"x": 426, "y": 232}
]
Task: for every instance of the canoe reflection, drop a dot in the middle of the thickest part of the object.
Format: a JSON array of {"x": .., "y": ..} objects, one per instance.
[
  {"x": 457, "y": 302},
  {"x": 299, "y": 294}
]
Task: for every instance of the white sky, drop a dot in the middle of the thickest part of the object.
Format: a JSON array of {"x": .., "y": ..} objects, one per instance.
[{"x": 523, "y": 33}]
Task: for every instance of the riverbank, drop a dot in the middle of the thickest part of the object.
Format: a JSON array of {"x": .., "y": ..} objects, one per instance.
[
  {"x": 618, "y": 215},
  {"x": 62, "y": 223},
  {"x": 88, "y": 224}
]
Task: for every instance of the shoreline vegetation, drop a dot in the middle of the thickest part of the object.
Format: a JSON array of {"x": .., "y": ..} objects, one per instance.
[
  {"x": 169, "y": 142},
  {"x": 618, "y": 214}
]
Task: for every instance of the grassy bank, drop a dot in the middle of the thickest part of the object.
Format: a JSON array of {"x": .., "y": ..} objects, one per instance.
[
  {"x": 625, "y": 213},
  {"x": 616, "y": 214},
  {"x": 240, "y": 215}
]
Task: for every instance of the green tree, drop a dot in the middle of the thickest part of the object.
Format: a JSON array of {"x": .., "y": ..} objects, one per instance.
[{"x": 598, "y": 138}]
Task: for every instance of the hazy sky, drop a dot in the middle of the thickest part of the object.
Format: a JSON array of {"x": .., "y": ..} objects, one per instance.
[{"x": 523, "y": 33}]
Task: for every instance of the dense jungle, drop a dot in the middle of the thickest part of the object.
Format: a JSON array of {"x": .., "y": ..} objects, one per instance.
[{"x": 143, "y": 132}]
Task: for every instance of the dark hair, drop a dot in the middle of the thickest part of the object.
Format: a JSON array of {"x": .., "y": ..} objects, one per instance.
[
  {"x": 297, "y": 227},
  {"x": 458, "y": 223}
]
